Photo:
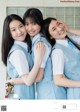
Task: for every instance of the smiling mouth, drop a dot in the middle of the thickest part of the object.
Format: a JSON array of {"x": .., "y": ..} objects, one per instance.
[
  {"x": 62, "y": 32},
  {"x": 21, "y": 35},
  {"x": 31, "y": 32}
]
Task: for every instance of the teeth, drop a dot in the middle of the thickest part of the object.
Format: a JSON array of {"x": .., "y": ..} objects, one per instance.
[
  {"x": 61, "y": 32},
  {"x": 31, "y": 32}
]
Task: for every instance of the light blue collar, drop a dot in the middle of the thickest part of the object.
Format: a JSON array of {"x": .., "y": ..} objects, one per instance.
[
  {"x": 22, "y": 44},
  {"x": 35, "y": 38}
]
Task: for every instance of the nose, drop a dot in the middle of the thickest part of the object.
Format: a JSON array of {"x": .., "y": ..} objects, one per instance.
[
  {"x": 30, "y": 27},
  {"x": 18, "y": 31},
  {"x": 58, "y": 28}
]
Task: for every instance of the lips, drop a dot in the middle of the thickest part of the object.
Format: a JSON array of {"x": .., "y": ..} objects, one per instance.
[
  {"x": 21, "y": 35},
  {"x": 61, "y": 32},
  {"x": 31, "y": 32}
]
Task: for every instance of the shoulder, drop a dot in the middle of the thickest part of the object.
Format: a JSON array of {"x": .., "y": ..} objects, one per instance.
[
  {"x": 57, "y": 52},
  {"x": 16, "y": 54}
]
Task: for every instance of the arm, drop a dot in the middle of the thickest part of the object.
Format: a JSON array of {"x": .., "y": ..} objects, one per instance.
[
  {"x": 39, "y": 54},
  {"x": 20, "y": 81},
  {"x": 76, "y": 32},
  {"x": 43, "y": 64},
  {"x": 60, "y": 80},
  {"x": 16, "y": 81},
  {"x": 58, "y": 70},
  {"x": 73, "y": 31},
  {"x": 40, "y": 75},
  {"x": 30, "y": 77}
]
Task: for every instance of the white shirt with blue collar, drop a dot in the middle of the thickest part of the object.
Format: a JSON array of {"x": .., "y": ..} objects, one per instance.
[
  {"x": 18, "y": 59},
  {"x": 58, "y": 58},
  {"x": 75, "y": 38},
  {"x": 47, "y": 52}
]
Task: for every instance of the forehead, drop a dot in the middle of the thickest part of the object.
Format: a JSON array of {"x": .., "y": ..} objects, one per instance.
[
  {"x": 52, "y": 24},
  {"x": 15, "y": 23},
  {"x": 29, "y": 19}
]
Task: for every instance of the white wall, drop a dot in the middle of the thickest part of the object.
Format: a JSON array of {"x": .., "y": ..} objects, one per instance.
[
  {"x": 23, "y": 3},
  {"x": 2, "y": 68},
  {"x": 41, "y": 3}
]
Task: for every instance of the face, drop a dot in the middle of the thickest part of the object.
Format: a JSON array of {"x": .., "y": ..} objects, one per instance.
[
  {"x": 18, "y": 31},
  {"x": 57, "y": 30},
  {"x": 32, "y": 28}
]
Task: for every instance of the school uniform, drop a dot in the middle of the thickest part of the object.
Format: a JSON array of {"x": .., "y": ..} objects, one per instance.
[
  {"x": 66, "y": 59},
  {"x": 44, "y": 88},
  {"x": 19, "y": 62}
]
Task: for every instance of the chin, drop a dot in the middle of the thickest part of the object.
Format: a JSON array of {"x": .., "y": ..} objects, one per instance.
[
  {"x": 64, "y": 35},
  {"x": 31, "y": 35}
]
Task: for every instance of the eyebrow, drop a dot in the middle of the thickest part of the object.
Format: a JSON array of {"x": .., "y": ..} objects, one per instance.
[
  {"x": 12, "y": 28},
  {"x": 18, "y": 25},
  {"x": 55, "y": 25}
]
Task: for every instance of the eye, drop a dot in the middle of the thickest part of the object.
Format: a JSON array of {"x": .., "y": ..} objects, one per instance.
[
  {"x": 13, "y": 30},
  {"x": 26, "y": 24},
  {"x": 21, "y": 26},
  {"x": 58, "y": 23},
  {"x": 33, "y": 23},
  {"x": 53, "y": 29}
]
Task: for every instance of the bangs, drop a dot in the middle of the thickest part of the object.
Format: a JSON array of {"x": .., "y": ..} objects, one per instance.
[{"x": 32, "y": 19}]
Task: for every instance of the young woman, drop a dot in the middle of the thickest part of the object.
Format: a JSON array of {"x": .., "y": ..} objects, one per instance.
[
  {"x": 33, "y": 22},
  {"x": 65, "y": 57},
  {"x": 16, "y": 45}
]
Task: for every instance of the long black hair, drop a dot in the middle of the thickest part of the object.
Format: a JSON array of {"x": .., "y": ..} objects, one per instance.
[
  {"x": 45, "y": 30},
  {"x": 7, "y": 40},
  {"x": 35, "y": 16}
]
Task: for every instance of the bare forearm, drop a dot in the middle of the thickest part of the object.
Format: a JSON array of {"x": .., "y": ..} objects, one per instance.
[
  {"x": 29, "y": 78},
  {"x": 16, "y": 81},
  {"x": 39, "y": 51},
  {"x": 40, "y": 75},
  {"x": 63, "y": 81},
  {"x": 77, "y": 32}
]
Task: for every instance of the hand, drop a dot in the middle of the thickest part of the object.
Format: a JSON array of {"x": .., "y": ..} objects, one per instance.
[
  {"x": 9, "y": 81},
  {"x": 40, "y": 52},
  {"x": 64, "y": 25}
]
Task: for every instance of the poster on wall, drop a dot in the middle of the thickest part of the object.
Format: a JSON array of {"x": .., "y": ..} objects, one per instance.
[{"x": 40, "y": 48}]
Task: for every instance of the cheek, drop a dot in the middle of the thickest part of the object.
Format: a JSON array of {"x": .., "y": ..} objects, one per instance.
[
  {"x": 25, "y": 32},
  {"x": 39, "y": 29},
  {"x": 26, "y": 27},
  {"x": 54, "y": 34},
  {"x": 13, "y": 34}
]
